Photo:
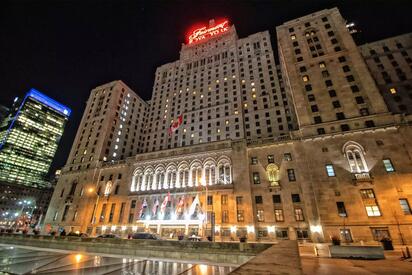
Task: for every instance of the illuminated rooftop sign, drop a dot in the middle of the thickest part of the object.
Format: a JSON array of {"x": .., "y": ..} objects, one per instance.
[
  {"x": 42, "y": 98},
  {"x": 204, "y": 32}
]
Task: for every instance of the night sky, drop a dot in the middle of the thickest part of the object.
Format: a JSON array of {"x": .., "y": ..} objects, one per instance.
[{"x": 66, "y": 48}]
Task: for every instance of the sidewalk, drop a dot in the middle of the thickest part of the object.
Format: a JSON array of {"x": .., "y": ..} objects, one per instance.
[
  {"x": 313, "y": 265},
  {"x": 322, "y": 264}
]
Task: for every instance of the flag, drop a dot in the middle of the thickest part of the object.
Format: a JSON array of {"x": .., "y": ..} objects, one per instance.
[
  {"x": 194, "y": 205},
  {"x": 164, "y": 203},
  {"x": 180, "y": 205},
  {"x": 142, "y": 208},
  {"x": 155, "y": 206},
  {"x": 175, "y": 125}
]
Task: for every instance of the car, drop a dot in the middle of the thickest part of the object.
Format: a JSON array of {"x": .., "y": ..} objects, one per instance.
[
  {"x": 108, "y": 236},
  {"x": 194, "y": 238},
  {"x": 77, "y": 234},
  {"x": 144, "y": 236}
]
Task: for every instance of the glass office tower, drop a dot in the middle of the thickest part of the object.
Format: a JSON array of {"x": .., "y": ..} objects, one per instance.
[{"x": 29, "y": 137}]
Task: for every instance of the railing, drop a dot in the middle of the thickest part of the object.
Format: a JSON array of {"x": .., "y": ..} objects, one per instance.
[{"x": 362, "y": 177}]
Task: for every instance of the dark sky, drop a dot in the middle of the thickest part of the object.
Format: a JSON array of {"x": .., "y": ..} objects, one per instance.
[{"x": 65, "y": 48}]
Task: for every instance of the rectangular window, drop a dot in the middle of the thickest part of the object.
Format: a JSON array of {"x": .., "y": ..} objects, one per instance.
[
  {"x": 123, "y": 205},
  {"x": 279, "y": 215},
  {"x": 102, "y": 213},
  {"x": 225, "y": 216},
  {"x": 258, "y": 199},
  {"x": 260, "y": 215},
  {"x": 282, "y": 233},
  {"x": 291, "y": 175},
  {"x": 253, "y": 160},
  {"x": 346, "y": 235},
  {"x": 299, "y": 214},
  {"x": 287, "y": 156},
  {"x": 295, "y": 198},
  {"x": 302, "y": 234},
  {"x": 341, "y": 209},
  {"x": 370, "y": 202},
  {"x": 224, "y": 199},
  {"x": 330, "y": 170},
  {"x": 131, "y": 217},
  {"x": 65, "y": 211},
  {"x": 209, "y": 200},
  {"x": 388, "y": 165},
  {"x": 367, "y": 194},
  {"x": 405, "y": 206},
  {"x": 112, "y": 212},
  {"x": 240, "y": 216},
  {"x": 256, "y": 178},
  {"x": 380, "y": 233},
  {"x": 239, "y": 200},
  {"x": 271, "y": 159},
  {"x": 373, "y": 211},
  {"x": 276, "y": 199}
]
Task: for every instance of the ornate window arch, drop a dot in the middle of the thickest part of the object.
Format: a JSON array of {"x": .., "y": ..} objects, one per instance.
[
  {"x": 210, "y": 172},
  {"x": 159, "y": 177},
  {"x": 272, "y": 172},
  {"x": 170, "y": 177},
  {"x": 147, "y": 179},
  {"x": 355, "y": 155},
  {"x": 183, "y": 169},
  {"x": 196, "y": 170},
  {"x": 225, "y": 170},
  {"x": 137, "y": 180}
]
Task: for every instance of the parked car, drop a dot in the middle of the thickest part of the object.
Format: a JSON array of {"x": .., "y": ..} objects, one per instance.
[
  {"x": 77, "y": 234},
  {"x": 194, "y": 238},
  {"x": 145, "y": 236},
  {"x": 108, "y": 236}
]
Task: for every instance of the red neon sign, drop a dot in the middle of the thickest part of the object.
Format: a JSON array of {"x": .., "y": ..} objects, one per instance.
[{"x": 204, "y": 32}]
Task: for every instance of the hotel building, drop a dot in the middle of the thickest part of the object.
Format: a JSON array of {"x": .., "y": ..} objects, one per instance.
[
  {"x": 233, "y": 145},
  {"x": 390, "y": 63}
]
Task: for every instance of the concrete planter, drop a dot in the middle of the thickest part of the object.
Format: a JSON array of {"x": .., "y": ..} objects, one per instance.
[{"x": 357, "y": 252}]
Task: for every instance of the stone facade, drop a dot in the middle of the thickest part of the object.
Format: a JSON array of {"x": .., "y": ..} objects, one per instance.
[{"x": 218, "y": 176}]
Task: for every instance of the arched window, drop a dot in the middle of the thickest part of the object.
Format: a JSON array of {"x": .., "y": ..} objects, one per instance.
[
  {"x": 225, "y": 171},
  {"x": 272, "y": 172},
  {"x": 136, "y": 180},
  {"x": 196, "y": 175},
  {"x": 160, "y": 179},
  {"x": 354, "y": 153},
  {"x": 183, "y": 175},
  {"x": 210, "y": 174},
  {"x": 171, "y": 179}
]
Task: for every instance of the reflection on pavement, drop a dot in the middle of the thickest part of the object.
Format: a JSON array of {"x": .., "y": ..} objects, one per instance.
[{"x": 15, "y": 260}]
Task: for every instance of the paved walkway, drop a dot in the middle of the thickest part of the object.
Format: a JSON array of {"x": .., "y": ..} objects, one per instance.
[{"x": 314, "y": 265}]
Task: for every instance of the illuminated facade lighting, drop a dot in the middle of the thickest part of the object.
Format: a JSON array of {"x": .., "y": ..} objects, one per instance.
[{"x": 29, "y": 138}]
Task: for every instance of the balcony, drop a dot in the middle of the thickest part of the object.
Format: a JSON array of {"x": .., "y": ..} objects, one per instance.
[
  {"x": 362, "y": 177},
  {"x": 274, "y": 186}
]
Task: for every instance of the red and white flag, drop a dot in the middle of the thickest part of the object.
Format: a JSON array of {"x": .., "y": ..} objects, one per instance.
[
  {"x": 164, "y": 203},
  {"x": 175, "y": 125},
  {"x": 155, "y": 206},
  {"x": 142, "y": 208}
]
